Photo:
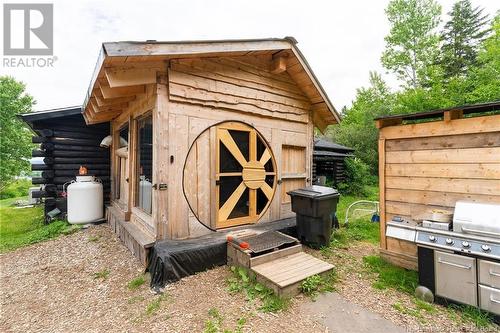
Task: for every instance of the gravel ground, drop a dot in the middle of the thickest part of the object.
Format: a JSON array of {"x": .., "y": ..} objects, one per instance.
[
  {"x": 355, "y": 285},
  {"x": 53, "y": 287}
]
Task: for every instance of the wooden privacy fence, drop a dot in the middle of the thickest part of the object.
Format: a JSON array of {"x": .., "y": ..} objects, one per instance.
[{"x": 431, "y": 165}]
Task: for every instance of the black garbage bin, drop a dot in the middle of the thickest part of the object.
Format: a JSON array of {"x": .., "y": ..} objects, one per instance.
[{"x": 315, "y": 206}]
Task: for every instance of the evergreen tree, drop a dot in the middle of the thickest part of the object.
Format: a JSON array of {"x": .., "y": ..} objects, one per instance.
[{"x": 461, "y": 37}]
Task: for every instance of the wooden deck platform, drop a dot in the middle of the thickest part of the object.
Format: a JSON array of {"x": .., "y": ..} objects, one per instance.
[
  {"x": 284, "y": 275},
  {"x": 136, "y": 240}
]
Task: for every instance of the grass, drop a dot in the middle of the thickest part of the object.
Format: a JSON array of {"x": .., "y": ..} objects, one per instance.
[
  {"x": 103, "y": 275},
  {"x": 155, "y": 305},
  {"x": 135, "y": 299},
  {"x": 24, "y": 226},
  {"x": 18, "y": 188},
  {"x": 359, "y": 229},
  {"x": 243, "y": 281},
  {"x": 135, "y": 283},
  {"x": 390, "y": 276},
  {"x": 467, "y": 313},
  {"x": 215, "y": 323},
  {"x": 93, "y": 238},
  {"x": 316, "y": 284}
]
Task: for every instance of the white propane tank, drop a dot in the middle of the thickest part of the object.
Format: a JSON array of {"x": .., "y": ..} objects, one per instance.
[
  {"x": 85, "y": 200},
  {"x": 145, "y": 191}
]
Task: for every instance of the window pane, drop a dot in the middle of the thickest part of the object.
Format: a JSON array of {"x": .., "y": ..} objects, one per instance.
[
  {"x": 227, "y": 161},
  {"x": 145, "y": 161}
]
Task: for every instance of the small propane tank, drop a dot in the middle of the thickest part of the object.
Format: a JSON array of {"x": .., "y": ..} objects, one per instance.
[
  {"x": 145, "y": 192},
  {"x": 85, "y": 200}
]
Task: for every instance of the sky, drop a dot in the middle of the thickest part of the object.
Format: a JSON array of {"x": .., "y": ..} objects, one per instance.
[{"x": 341, "y": 39}]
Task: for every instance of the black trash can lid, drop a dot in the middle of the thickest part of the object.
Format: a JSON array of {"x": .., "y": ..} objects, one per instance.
[{"x": 315, "y": 192}]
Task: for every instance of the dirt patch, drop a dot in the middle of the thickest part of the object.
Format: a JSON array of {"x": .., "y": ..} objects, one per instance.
[
  {"x": 355, "y": 285},
  {"x": 79, "y": 283}
]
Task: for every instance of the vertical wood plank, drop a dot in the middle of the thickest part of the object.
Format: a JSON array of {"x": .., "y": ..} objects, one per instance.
[
  {"x": 309, "y": 149},
  {"x": 203, "y": 177},
  {"x": 178, "y": 138},
  {"x": 214, "y": 153},
  {"x": 190, "y": 176},
  {"x": 160, "y": 160},
  {"x": 114, "y": 167},
  {"x": 276, "y": 140},
  {"x": 132, "y": 163},
  {"x": 381, "y": 172}
]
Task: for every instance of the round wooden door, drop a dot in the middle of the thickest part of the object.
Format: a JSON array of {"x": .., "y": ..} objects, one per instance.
[{"x": 245, "y": 174}]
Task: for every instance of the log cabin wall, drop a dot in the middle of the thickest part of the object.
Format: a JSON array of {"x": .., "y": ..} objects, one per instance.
[
  {"x": 432, "y": 165},
  {"x": 66, "y": 143},
  {"x": 205, "y": 92}
]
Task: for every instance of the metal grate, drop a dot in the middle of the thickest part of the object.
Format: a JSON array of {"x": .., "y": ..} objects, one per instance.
[{"x": 267, "y": 241}]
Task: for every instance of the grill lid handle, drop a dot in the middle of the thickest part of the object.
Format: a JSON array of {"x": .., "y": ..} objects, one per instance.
[{"x": 479, "y": 232}]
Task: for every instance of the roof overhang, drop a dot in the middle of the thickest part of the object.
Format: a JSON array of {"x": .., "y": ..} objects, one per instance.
[
  {"x": 124, "y": 69},
  {"x": 32, "y": 117}
]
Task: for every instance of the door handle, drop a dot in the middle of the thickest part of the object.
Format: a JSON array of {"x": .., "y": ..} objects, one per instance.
[
  {"x": 494, "y": 300},
  {"x": 453, "y": 264},
  {"x": 494, "y": 273}
]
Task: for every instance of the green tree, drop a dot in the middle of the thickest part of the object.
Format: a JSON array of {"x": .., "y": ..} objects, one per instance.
[
  {"x": 484, "y": 80},
  {"x": 461, "y": 37},
  {"x": 357, "y": 129},
  {"x": 412, "y": 45},
  {"x": 15, "y": 138}
]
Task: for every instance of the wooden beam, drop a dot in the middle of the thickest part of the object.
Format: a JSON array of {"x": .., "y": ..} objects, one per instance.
[
  {"x": 318, "y": 120},
  {"x": 108, "y": 92},
  {"x": 112, "y": 101},
  {"x": 452, "y": 115},
  {"x": 279, "y": 64},
  {"x": 381, "y": 123},
  {"x": 126, "y": 77},
  {"x": 109, "y": 108}
]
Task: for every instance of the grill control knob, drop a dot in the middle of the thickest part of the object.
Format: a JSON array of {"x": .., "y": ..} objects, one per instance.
[
  {"x": 465, "y": 244},
  {"x": 485, "y": 248},
  {"x": 449, "y": 241},
  {"x": 432, "y": 238}
]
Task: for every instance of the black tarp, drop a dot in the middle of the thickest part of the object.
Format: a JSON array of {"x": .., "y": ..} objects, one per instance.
[{"x": 171, "y": 260}]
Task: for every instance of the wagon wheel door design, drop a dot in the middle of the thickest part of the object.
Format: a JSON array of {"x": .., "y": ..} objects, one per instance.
[{"x": 245, "y": 175}]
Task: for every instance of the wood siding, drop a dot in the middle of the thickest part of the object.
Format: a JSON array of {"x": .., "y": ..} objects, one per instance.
[
  {"x": 205, "y": 92},
  {"x": 432, "y": 165}
]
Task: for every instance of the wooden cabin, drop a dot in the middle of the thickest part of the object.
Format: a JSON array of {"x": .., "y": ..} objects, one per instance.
[
  {"x": 206, "y": 135},
  {"x": 431, "y": 160},
  {"x": 328, "y": 161},
  {"x": 65, "y": 143}
]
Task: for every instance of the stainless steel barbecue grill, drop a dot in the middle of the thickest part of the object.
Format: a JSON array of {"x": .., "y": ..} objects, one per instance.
[
  {"x": 476, "y": 230},
  {"x": 463, "y": 264}
]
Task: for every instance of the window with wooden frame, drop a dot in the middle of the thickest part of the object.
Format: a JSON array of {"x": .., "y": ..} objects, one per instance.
[{"x": 144, "y": 166}]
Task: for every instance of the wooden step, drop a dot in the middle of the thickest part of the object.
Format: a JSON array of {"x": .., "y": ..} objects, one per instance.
[
  {"x": 131, "y": 235},
  {"x": 284, "y": 275}
]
